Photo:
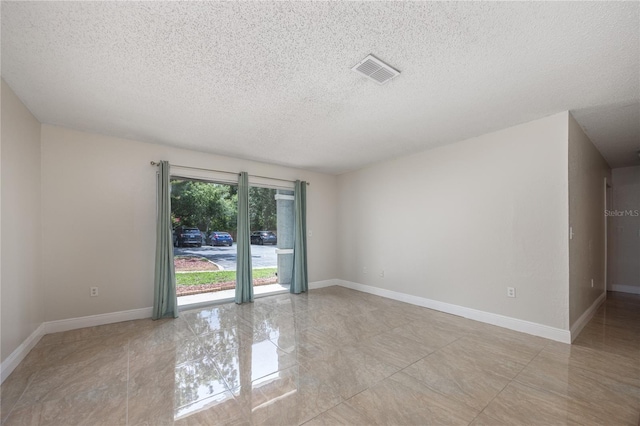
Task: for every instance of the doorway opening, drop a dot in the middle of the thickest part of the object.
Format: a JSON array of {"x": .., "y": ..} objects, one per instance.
[{"x": 204, "y": 219}]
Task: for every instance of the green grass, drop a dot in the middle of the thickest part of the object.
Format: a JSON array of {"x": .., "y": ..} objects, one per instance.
[{"x": 197, "y": 278}]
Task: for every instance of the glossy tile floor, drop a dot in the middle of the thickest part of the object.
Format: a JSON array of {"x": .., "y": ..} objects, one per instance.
[{"x": 333, "y": 356}]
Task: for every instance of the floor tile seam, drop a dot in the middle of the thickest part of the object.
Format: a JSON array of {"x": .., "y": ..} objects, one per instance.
[
  {"x": 214, "y": 354},
  {"x": 514, "y": 379},
  {"x": 81, "y": 363},
  {"x": 572, "y": 398},
  {"x": 96, "y": 336},
  {"x": 236, "y": 398},
  {"x": 204, "y": 398},
  {"x": 346, "y": 400},
  {"x": 617, "y": 315},
  {"x": 359, "y": 342},
  {"x": 423, "y": 384},
  {"x": 635, "y": 330},
  {"x": 402, "y": 370},
  {"x": 293, "y": 352},
  {"x": 554, "y": 394},
  {"x": 41, "y": 343},
  {"x": 323, "y": 334},
  {"x": 397, "y": 370},
  {"x": 421, "y": 340},
  {"x": 510, "y": 381},
  {"x": 13, "y": 406},
  {"x": 225, "y": 382},
  {"x": 199, "y": 336},
  {"x": 604, "y": 348},
  {"x": 611, "y": 328},
  {"x": 324, "y": 411},
  {"x": 48, "y": 398},
  {"x": 69, "y": 342},
  {"x": 495, "y": 374},
  {"x": 228, "y": 386},
  {"x": 26, "y": 388},
  {"x": 597, "y": 373},
  {"x": 190, "y": 327},
  {"x": 455, "y": 399},
  {"x": 530, "y": 361},
  {"x": 596, "y": 370},
  {"x": 307, "y": 363},
  {"x": 490, "y": 401},
  {"x": 429, "y": 354},
  {"x": 448, "y": 396},
  {"x": 128, "y": 383},
  {"x": 576, "y": 399},
  {"x": 208, "y": 354}
]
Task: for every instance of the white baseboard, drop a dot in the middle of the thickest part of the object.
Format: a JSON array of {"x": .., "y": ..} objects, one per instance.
[
  {"x": 535, "y": 329},
  {"x": 93, "y": 320},
  {"x": 16, "y": 357},
  {"x": 586, "y": 316},
  {"x": 625, "y": 288},
  {"x": 321, "y": 284},
  {"x": 22, "y": 351},
  {"x": 515, "y": 324},
  {"x": 13, "y": 360}
]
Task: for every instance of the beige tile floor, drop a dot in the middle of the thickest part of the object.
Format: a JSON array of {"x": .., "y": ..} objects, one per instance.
[{"x": 333, "y": 356}]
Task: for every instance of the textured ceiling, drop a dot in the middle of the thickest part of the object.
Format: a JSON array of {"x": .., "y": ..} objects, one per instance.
[{"x": 271, "y": 81}]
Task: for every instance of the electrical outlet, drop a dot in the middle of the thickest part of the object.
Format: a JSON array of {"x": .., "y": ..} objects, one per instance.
[
  {"x": 511, "y": 292},
  {"x": 382, "y": 273},
  {"x": 591, "y": 282},
  {"x": 94, "y": 291},
  {"x": 310, "y": 233}
]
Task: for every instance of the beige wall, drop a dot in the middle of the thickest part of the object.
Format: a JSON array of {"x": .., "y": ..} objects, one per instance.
[
  {"x": 587, "y": 172},
  {"x": 457, "y": 224},
  {"x": 99, "y": 218},
  {"x": 625, "y": 231},
  {"x": 21, "y": 287},
  {"x": 461, "y": 223}
]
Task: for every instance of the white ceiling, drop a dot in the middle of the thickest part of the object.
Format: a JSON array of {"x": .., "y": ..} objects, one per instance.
[{"x": 271, "y": 81}]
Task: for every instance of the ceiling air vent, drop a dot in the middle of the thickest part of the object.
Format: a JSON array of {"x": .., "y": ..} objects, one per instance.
[{"x": 373, "y": 68}]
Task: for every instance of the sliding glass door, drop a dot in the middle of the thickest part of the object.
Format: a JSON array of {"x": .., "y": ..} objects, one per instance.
[
  {"x": 204, "y": 219},
  {"x": 271, "y": 223}
]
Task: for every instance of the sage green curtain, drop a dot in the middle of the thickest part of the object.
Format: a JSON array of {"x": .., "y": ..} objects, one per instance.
[
  {"x": 244, "y": 280},
  {"x": 299, "y": 279},
  {"x": 165, "y": 302}
]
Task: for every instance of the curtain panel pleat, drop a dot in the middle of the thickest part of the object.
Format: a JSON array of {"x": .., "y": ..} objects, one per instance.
[
  {"x": 244, "y": 280},
  {"x": 299, "y": 278},
  {"x": 165, "y": 302}
]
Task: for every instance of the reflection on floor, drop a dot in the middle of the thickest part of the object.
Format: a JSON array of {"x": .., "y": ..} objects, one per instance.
[
  {"x": 333, "y": 356},
  {"x": 224, "y": 296}
]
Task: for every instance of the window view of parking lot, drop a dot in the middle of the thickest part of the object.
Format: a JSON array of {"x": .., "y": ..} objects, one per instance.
[{"x": 204, "y": 218}]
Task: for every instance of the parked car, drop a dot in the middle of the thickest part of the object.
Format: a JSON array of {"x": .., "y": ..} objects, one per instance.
[
  {"x": 263, "y": 237},
  {"x": 220, "y": 239},
  {"x": 186, "y": 236}
]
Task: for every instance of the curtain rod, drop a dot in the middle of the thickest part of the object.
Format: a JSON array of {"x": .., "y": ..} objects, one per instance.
[{"x": 153, "y": 163}]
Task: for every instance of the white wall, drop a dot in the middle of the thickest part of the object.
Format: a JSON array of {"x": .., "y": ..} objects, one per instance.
[
  {"x": 461, "y": 223},
  {"x": 21, "y": 278},
  {"x": 587, "y": 172},
  {"x": 625, "y": 231},
  {"x": 98, "y": 201}
]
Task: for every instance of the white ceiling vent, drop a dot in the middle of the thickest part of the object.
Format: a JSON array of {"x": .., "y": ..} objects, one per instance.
[{"x": 373, "y": 68}]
